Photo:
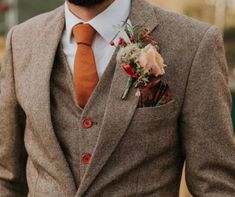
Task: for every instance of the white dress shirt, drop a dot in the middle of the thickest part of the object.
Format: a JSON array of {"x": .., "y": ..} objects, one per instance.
[{"x": 104, "y": 23}]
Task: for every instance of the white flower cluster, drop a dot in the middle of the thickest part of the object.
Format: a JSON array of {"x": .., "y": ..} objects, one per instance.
[{"x": 128, "y": 54}]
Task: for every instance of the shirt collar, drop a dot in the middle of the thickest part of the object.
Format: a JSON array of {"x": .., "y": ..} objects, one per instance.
[{"x": 104, "y": 23}]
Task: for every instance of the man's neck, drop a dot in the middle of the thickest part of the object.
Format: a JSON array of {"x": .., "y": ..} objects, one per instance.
[{"x": 87, "y": 14}]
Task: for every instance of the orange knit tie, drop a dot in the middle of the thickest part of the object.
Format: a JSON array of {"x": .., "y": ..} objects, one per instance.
[{"x": 85, "y": 73}]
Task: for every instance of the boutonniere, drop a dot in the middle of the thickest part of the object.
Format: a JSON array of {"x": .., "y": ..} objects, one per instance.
[{"x": 140, "y": 58}]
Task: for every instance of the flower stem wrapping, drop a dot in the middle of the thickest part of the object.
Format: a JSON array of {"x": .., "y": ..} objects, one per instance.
[{"x": 129, "y": 84}]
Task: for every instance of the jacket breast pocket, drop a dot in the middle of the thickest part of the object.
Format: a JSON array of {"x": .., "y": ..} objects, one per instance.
[{"x": 151, "y": 114}]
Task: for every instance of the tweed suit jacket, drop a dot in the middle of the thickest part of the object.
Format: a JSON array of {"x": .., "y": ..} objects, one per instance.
[{"x": 139, "y": 151}]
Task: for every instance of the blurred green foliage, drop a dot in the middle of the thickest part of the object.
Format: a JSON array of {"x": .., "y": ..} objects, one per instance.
[
  {"x": 229, "y": 38},
  {"x": 27, "y": 8}
]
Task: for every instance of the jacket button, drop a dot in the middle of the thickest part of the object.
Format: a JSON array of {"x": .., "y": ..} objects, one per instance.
[
  {"x": 86, "y": 157},
  {"x": 87, "y": 123}
]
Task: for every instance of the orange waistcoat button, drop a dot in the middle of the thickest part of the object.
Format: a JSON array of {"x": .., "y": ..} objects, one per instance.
[
  {"x": 86, "y": 157},
  {"x": 87, "y": 123}
]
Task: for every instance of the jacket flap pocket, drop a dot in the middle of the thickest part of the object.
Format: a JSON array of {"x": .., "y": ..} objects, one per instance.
[{"x": 165, "y": 111}]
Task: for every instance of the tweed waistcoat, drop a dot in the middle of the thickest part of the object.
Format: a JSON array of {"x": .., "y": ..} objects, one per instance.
[{"x": 66, "y": 115}]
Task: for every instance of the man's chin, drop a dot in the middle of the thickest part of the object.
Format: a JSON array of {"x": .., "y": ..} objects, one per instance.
[{"x": 86, "y": 3}]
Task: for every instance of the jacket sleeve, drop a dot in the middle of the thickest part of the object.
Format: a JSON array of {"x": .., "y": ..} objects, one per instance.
[
  {"x": 12, "y": 123},
  {"x": 206, "y": 125}
]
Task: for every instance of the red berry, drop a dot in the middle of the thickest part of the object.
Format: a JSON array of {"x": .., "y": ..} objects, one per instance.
[
  {"x": 121, "y": 41},
  {"x": 132, "y": 39},
  {"x": 112, "y": 43}
]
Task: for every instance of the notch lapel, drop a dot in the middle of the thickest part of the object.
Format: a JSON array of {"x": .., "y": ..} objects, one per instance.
[
  {"x": 39, "y": 94},
  {"x": 118, "y": 112}
]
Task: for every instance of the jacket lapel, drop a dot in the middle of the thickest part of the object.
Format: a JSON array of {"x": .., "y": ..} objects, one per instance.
[
  {"x": 118, "y": 112},
  {"x": 39, "y": 93}
]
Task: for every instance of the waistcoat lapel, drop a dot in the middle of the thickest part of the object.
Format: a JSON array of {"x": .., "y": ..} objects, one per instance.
[
  {"x": 118, "y": 112},
  {"x": 39, "y": 92}
]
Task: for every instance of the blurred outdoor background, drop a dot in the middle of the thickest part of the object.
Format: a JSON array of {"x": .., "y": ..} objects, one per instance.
[{"x": 218, "y": 12}]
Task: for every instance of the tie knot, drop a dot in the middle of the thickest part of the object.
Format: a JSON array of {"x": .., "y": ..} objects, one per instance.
[{"x": 84, "y": 34}]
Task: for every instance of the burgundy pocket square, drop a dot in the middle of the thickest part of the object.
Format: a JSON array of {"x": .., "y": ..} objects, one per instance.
[{"x": 156, "y": 93}]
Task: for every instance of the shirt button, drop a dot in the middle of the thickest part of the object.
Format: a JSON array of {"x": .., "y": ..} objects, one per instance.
[
  {"x": 86, "y": 157},
  {"x": 87, "y": 123}
]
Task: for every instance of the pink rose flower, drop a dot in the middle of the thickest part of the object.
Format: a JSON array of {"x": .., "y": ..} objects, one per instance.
[{"x": 151, "y": 61}]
